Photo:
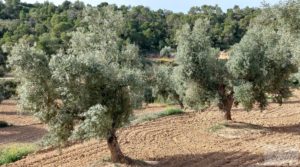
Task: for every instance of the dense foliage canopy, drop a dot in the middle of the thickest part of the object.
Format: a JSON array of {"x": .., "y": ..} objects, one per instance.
[
  {"x": 259, "y": 66},
  {"x": 88, "y": 91}
]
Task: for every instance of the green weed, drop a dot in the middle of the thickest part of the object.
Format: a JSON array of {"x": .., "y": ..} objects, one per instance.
[{"x": 15, "y": 152}]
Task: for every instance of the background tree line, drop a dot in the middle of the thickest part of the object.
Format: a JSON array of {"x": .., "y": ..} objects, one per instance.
[{"x": 48, "y": 25}]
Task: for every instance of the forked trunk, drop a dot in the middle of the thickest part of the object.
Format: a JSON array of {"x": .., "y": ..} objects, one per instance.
[{"x": 116, "y": 154}]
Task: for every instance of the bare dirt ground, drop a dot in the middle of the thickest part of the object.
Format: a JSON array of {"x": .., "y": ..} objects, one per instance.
[
  {"x": 26, "y": 128},
  {"x": 191, "y": 139}
]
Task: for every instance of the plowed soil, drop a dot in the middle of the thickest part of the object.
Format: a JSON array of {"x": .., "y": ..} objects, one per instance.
[
  {"x": 25, "y": 127},
  {"x": 192, "y": 139}
]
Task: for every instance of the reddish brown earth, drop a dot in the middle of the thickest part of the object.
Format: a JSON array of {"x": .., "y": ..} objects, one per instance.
[
  {"x": 26, "y": 128},
  {"x": 191, "y": 139}
]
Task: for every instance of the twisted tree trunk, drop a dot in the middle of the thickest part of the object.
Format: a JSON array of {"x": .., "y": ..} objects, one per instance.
[
  {"x": 226, "y": 102},
  {"x": 116, "y": 154},
  {"x": 177, "y": 97},
  {"x": 181, "y": 104},
  {"x": 227, "y": 105}
]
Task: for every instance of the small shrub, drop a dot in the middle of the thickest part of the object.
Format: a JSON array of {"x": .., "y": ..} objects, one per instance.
[{"x": 15, "y": 152}]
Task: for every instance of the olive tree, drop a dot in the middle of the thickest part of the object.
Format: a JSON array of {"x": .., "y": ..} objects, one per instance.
[
  {"x": 164, "y": 84},
  {"x": 87, "y": 91},
  {"x": 267, "y": 57},
  {"x": 197, "y": 61},
  {"x": 258, "y": 67}
]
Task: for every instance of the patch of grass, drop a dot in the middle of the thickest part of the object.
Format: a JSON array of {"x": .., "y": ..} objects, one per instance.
[
  {"x": 163, "y": 60},
  {"x": 153, "y": 116},
  {"x": 148, "y": 117},
  {"x": 170, "y": 111},
  {"x": 15, "y": 152},
  {"x": 144, "y": 118},
  {"x": 217, "y": 127}
]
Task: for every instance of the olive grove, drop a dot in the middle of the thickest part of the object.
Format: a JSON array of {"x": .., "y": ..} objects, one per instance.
[
  {"x": 258, "y": 68},
  {"x": 88, "y": 86}
]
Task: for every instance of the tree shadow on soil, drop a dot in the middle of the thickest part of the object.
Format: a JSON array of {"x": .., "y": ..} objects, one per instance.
[
  {"x": 27, "y": 133},
  {"x": 15, "y": 113},
  {"x": 291, "y": 102},
  {"x": 214, "y": 159},
  {"x": 236, "y": 109},
  {"x": 294, "y": 129}
]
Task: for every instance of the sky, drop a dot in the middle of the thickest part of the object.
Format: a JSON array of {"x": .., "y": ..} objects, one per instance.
[{"x": 174, "y": 5}]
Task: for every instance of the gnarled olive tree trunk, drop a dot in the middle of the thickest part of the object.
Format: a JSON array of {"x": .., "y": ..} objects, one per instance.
[
  {"x": 179, "y": 101},
  {"x": 227, "y": 105},
  {"x": 116, "y": 154},
  {"x": 226, "y": 102}
]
